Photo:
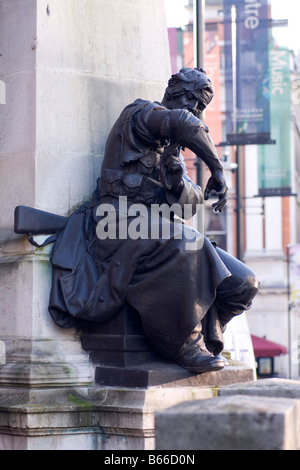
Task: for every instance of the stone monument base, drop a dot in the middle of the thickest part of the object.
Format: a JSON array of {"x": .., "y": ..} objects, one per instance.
[
  {"x": 114, "y": 411},
  {"x": 103, "y": 397},
  {"x": 103, "y": 418},
  {"x": 54, "y": 395}
]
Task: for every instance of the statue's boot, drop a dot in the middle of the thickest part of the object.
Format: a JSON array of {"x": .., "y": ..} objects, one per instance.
[{"x": 195, "y": 357}]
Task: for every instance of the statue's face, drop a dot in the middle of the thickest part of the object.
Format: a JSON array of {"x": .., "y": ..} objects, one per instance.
[
  {"x": 193, "y": 104},
  {"x": 189, "y": 101}
]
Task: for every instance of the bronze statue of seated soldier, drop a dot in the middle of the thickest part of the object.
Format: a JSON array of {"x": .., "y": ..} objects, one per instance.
[{"x": 184, "y": 288}]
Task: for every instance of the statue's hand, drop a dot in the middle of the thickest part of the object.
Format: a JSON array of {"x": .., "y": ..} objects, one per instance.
[
  {"x": 217, "y": 184},
  {"x": 175, "y": 172}
]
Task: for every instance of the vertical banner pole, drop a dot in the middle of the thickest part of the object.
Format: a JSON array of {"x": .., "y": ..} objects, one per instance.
[
  {"x": 199, "y": 47},
  {"x": 235, "y": 104}
]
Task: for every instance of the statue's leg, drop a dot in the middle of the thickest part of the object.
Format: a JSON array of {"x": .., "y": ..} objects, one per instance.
[
  {"x": 234, "y": 296},
  {"x": 172, "y": 290},
  {"x": 213, "y": 331},
  {"x": 236, "y": 293}
]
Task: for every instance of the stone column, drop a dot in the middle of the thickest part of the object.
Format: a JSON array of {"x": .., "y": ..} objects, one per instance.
[{"x": 67, "y": 68}]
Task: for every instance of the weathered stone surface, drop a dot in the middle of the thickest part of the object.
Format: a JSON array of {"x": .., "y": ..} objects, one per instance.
[
  {"x": 230, "y": 423},
  {"x": 85, "y": 418},
  {"x": 267, "y": 387}
]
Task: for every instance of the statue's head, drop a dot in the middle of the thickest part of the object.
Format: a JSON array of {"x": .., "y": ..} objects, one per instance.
[{"x": 189, "y": 89}]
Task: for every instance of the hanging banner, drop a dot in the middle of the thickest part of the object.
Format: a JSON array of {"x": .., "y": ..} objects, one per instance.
[
  {"x": 246, "y": 34},
  {"x": 275, "y": 162}
]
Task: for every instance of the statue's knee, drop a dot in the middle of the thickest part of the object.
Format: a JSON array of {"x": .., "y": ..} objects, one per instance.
[{"x": 251, "y": 286}]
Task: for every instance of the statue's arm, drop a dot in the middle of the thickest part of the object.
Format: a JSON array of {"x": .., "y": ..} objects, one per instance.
[{"x": 184, "y": 128}]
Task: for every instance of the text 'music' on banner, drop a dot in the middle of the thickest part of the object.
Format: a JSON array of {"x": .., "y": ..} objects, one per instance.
[{"x": 274, "y": 163}]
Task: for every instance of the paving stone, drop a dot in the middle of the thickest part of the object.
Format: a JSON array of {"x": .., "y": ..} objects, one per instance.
[
  {"x": 266, "y": 387},
  {"x": 230, "y": 423}
]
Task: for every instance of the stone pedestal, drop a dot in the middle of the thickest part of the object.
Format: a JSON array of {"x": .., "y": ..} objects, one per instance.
[{"x": 85, "y": 418}]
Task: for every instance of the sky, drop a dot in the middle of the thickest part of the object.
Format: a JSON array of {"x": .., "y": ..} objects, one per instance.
[{"x": 287, "y": 9}]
